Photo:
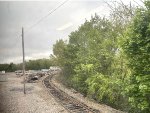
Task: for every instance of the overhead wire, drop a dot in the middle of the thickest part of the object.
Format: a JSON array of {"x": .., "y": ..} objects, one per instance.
[{"x": 41, "y": 19}]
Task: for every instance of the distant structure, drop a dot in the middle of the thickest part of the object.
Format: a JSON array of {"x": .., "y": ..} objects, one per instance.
[
  {"x": 54, "y": 69},
  {"x": 3, "y": 77},
  {"x": 45, "y": 71}
]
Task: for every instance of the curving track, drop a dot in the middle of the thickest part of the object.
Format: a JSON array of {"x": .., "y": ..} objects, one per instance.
[{"x": 70, "y": 103}]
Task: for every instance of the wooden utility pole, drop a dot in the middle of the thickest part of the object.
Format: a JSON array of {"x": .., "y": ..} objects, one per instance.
[{"x": 23, "y": 63}]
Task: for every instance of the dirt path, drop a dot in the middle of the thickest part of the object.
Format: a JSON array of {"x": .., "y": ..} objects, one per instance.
[{"x": 36, "y": 100}]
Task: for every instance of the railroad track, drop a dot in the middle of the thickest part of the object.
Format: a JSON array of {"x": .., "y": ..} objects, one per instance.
[{"x": 67, "y": 101}]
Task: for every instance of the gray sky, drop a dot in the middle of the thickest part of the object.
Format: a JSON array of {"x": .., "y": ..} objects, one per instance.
[{"x": 40, "y": 39}]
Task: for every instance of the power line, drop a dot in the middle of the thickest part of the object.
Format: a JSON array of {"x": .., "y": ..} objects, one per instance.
[
  {"x": 52, "y": 11},
  {"x": 32, "y": 26}
]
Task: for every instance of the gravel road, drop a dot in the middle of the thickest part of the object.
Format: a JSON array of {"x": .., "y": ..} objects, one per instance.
[{"x": 36, "y": 99}]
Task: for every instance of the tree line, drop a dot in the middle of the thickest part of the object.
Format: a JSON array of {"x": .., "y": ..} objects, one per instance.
[
  {"x": 29, "y": 65},
  {"x": 108, "y": 59}
]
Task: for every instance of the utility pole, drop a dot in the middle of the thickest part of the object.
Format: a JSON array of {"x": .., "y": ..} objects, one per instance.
[{"x": 23, "y": 63}]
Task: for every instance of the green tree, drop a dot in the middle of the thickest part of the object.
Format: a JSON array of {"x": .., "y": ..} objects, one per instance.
[
  {"x": 58, "y": 51},
  {"x": 137, "y": 49},
  {"x": 93, "y": 62},
  {"x": 8, "y": 67}
]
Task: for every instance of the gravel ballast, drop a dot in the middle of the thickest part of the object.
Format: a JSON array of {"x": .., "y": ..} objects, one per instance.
[
  {"x": 103, "y": 108},
  {"x": 36, "y": 99}
]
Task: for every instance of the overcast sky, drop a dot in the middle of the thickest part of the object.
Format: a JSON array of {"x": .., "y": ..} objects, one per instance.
[{"x": 40, "y": 39}]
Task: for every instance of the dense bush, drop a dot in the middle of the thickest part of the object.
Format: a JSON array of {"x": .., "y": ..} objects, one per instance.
[
  {"x": 109, "y": 59},
  {"x": 137, "y": 48}
]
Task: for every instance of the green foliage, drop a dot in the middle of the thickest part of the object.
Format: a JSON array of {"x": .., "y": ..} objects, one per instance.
[
  {"x": 8, "y": 67},
  {"x": 108, "y": 90},
  {"x": 30, "y": 65},
  {"x": 109, "y": 59},
  {"x": 83, "y": 71},
  {"x": 58, "y": 50},
  {"x": 137, "y": 49},
  {"x": 91, "y": 63},
  {"x": 38, "y": 64}
]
